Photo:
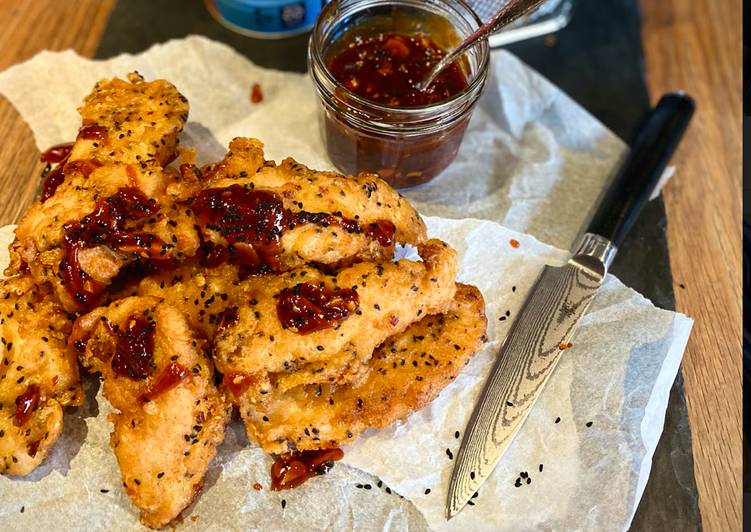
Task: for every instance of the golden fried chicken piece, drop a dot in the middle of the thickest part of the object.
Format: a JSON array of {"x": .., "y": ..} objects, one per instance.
[
  {"x": 201, "y": 293},
  {"x": 275, "y": 218},
  {"x": 38, "y": 374},
  {"x": 171, "y": 416},
  {"x": 405, "y": 373},
  {"x": 305, "y": 327},
  {"x": 131, "y": 121},
  {"x": 364, "y": 198},
  {"x": 76, "y": 230}
]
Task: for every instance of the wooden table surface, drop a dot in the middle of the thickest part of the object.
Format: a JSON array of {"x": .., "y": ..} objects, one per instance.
[{"x": 684, "y": 49}]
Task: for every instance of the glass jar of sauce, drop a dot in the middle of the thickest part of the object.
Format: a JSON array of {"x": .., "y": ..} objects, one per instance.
[{"x": 365, "y": 58}]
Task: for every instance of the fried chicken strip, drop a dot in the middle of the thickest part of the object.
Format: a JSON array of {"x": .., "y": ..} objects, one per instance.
[
  {"x": 286, "y": 216},
  {"x": 38, "y": 374},
  {"x": 171, "y": 416},
  {"x": 129, "y": 133},
  {"x": 274, "y": 339},
  {"x": 405, "y": 373}
]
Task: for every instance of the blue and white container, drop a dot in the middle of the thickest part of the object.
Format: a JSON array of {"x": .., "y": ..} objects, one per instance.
[{"x": 267, "y": 19}]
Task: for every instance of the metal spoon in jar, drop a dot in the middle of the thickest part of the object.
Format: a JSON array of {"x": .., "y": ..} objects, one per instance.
[{"x": 511, "y": 10}]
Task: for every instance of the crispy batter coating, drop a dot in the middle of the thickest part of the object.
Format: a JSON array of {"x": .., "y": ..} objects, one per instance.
[
  {"x": 405, "y": 373},
  {"x": 132, "y": 133},
  {"x": 202, "y": 294},
  {"x": 38, "y": 374},
  {"x": 171, "y": 421},
  {"x": 391, "y": 296}
]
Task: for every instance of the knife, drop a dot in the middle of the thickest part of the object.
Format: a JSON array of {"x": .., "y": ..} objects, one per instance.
[{"x": 559, "y": 298}]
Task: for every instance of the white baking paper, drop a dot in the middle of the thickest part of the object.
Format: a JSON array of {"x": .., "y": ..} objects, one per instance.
[{"x": 532, "y": 160}]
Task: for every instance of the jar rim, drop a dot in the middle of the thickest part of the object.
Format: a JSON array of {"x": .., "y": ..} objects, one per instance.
[{"x": 315, "y": 57}]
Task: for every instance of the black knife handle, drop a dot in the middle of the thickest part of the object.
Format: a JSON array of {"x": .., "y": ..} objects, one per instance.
[{"x": 651, "y": 149}]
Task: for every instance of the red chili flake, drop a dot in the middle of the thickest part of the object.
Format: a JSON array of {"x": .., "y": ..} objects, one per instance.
[
  {"x": 563, "y": 346},
  {"x": 256, "y": 96},
  {"x": 257, "y": 486},
  {"x": 514, "y": 243}
]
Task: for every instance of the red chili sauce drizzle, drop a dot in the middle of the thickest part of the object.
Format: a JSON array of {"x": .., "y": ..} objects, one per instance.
[
  {"x": 238, "y": 382},
  {"x": 252, "y": 223},
  {"x": 134, "y": 349},
  {"x": 227, "y": 318},
  {"x": 59, "y": 155},
  {"x": 307, "y": 307},
  {"x": 26, "y": 403},
  {"x": 172, "y": 375},
  {"x": 385, "y": 68},
  {"x": 105, "y": 226},
  {"x": 292, "y": 469}
]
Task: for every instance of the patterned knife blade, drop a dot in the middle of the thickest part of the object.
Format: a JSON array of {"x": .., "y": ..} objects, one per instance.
[
  {"x": 539, "y": 335},
  {"x": 560, "y": 297}
]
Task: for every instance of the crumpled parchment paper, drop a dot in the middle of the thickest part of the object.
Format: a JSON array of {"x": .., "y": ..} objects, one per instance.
[{"x": 532, "y": 160}]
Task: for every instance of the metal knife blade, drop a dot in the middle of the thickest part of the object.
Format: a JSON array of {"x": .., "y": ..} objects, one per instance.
[{"x": 537, "y": 338}]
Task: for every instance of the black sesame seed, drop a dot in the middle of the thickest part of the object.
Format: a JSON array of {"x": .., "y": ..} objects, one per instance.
[
  {"x": 472, "y": 475},
  {"x": 557, "y": 420},
  {"x": 589, "y": 423},
  {"x": 104, "y": 491},
  {"x": 540, "y": 468},
  {"x": 509, "y": 403},
  {"x": 529, "y": 480},
  {"x": 284, "y": 504},
  {"x": 367, "y": 486},
  {"x": 449, "y": 454},
  {"x": 427, "y": 491},
  {"x": 23, "y": 508},
  {"x": 456, "y": 434},
  {"x": 358, "y": 486},
  {"x": 388, "y": 490},
  {"x": 470, "y": 503},
  {"x": 474, "y": 495}
]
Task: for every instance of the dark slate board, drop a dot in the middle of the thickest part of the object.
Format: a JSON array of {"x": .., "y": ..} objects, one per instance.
[{"x": 597, "y": 60}]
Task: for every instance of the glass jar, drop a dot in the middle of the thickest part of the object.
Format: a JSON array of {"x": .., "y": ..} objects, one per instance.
[{"x": 406, "y": 146}]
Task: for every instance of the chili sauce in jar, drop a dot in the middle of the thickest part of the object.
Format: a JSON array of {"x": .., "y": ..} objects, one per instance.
[{"x": 366, "y": 58}]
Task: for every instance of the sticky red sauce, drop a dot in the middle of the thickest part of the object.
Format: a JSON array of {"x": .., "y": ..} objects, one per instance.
[
  {"x": 134, "y": 348},
  {"x": 26, "y": 403},
  {"x": 238, "y": 382},
  {"x": 292, "y": 469},
  {"x": 386, "y": 68},
  {"x": 227, "y": 318},
  {"x": 93, "y": 132},
  {"x": 105, "y": 226},
  {"x": 57, "y": 153},
  {"x": 252, "y": 222},
  {"x": 172, "y": 375},
  {"x": 306, "y": 307},
  {"x": 382, "y": 230}
]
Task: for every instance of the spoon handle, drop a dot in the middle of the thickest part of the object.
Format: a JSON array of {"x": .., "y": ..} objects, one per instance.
[{"x": 511, "y": 11}]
